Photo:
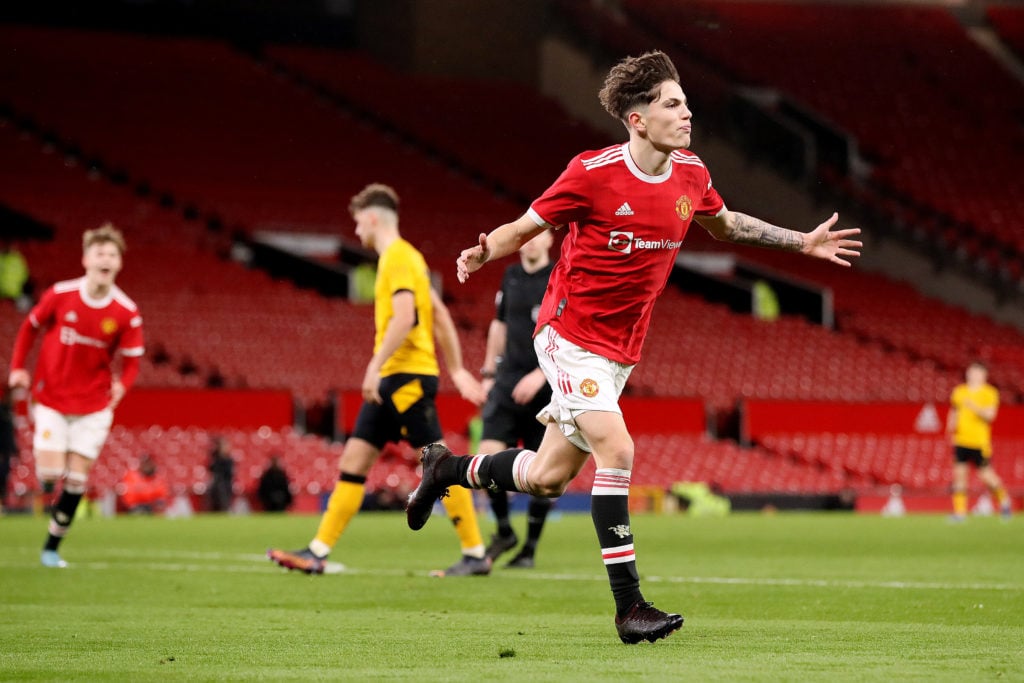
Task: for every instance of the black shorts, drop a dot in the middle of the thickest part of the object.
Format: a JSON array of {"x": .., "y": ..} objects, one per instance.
[
  {"x": 970, "y": 456},
  {"x": 508, "y": 422},
  {"x": 408, "y": 412}
]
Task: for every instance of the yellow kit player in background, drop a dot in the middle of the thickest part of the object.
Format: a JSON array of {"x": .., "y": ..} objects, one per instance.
[
  {"x": 399, "y": 386},
  {"x": 973, "y": 408}
]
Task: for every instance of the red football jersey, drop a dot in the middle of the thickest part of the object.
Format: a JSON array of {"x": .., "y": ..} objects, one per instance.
[
  {"x": 625, "y": 228},
  {"x": 81, "y": 336}
]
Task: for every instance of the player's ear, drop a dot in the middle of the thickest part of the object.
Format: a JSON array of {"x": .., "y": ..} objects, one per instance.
[{"x": 637, "y": 121}]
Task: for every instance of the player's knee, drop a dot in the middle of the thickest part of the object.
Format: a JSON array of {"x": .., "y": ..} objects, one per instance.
[
  {"x": 549, "y": 484},
  {"x": 550, "y": 489},
  {"x": 48, "y": 476},
  {"x": 619, "y": 458},
  {"x": 75, "y": 482},
  {"x": 991, "y": 479}
]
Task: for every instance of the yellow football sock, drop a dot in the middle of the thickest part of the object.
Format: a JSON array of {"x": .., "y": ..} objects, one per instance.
[
  {"x": 459, "y": 505},
  {"x": 960, "y": 504},
  {"x": 343, "y": 505},
  {"x": 1001, "y": 498}
]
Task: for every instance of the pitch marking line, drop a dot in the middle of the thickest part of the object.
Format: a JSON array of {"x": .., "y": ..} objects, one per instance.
[{"x": 259, "y": 564}]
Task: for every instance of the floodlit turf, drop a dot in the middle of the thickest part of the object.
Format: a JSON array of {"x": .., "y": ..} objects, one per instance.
[{"x": 786, "y": 597}]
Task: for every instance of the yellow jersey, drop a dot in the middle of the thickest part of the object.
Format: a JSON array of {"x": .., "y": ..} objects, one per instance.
[
  {"x": 402, "y": 268},
  {"x": 971, "y": 430}
]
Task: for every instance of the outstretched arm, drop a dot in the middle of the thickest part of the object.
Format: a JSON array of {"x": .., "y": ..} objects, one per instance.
[
  {"x": 502, "y": 241},
  {"x": 448, "y": 338},
  {"x": 822, "y": 242}
]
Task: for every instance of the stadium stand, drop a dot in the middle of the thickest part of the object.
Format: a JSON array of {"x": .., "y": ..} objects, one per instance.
[
  {"x": 917, "y": 462},
  {"x": 670, "y": 458},
  {"x": 345, "y": 73},
  {"x": 280, "y": 162},
  {"x": 874, "y": 445},
  {"x": 135, "y": 129},
  {"x": 196, "y": 306},
  {"x": 696, "y": 349},
  {"x": 924, "y": 72},
  {"x": 522, "y": 159},
  {"x": 893, "y": 315},
  {"x": 704, "y": 36},
  {"x": 182, "y": 454}
]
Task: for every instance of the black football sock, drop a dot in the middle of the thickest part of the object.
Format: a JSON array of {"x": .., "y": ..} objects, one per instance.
[
  {"x": 499, "y": 505},
  {"x": 63, "y": 515},
  {"x": 609, "y": 508},
  {"x": 46, "y": 496},
  {"x": 503, "y": 471},
  {"x": 536, "y": 514},
  {"x": 453, "y": 470}
]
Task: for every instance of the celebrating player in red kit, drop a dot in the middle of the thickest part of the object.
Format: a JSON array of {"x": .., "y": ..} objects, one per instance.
[
  {"x": 85, "y": 322},
  {"x": 627, "y": 208}
]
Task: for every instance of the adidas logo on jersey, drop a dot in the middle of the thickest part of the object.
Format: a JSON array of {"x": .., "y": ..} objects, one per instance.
[{"x": 624, "y": 210}]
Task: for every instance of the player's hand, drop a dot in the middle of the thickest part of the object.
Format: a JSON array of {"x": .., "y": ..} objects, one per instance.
[
  {"x": 470, "y": 260},
  {"x": 117, "y": 392},
  {"x": 527, "y": 387},
  {"x": 487, "y": 384},
  {"x": 19, "y": 379},
  {"x": 832, "y": 245},
  {"x": 371, "y": 386},
  {"x": 468, "y": 387}
]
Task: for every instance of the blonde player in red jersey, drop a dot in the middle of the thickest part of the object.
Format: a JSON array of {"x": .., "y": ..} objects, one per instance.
[
  {"x": 627, "y": 208},
  {"x": 85, "y": 323}
]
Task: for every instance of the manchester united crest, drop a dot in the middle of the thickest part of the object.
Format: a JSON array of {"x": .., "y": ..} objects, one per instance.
[
  {"x": 683, "y": 207},
  {"x": 589, "y": 388},
  {"x": 108, "y": 325}
]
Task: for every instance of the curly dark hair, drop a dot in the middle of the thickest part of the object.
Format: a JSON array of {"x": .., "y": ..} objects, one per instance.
[
  {"x": 374, "y": 194},
  {"x": 634, "y": 82}
]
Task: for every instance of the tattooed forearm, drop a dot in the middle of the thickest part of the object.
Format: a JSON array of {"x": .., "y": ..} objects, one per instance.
[{"x": 749, "y": 230}]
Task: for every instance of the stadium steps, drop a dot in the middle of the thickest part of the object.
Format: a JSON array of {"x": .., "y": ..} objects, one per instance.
[{"x": 918, "y": 56}]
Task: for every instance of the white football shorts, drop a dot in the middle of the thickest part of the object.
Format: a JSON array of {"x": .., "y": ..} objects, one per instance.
[
  {"x": 82, "y": 434},
  {"x": 580, "y": 381}
]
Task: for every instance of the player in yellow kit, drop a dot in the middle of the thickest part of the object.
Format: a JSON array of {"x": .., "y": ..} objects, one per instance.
[
  {"x": 399, "y": 386},
  {"x": 973, "y": 408}
]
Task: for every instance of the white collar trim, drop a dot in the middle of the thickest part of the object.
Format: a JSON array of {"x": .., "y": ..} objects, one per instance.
[
  {"x": 640, "y": 175},
  {"x": 95, "y": 303}
]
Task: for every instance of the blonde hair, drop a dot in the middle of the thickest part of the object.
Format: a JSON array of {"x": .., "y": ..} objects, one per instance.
[{"x": 105, "y": 234}]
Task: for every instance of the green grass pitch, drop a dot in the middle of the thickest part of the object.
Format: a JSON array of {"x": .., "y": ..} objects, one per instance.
[{"x": 776, "y": 598}]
